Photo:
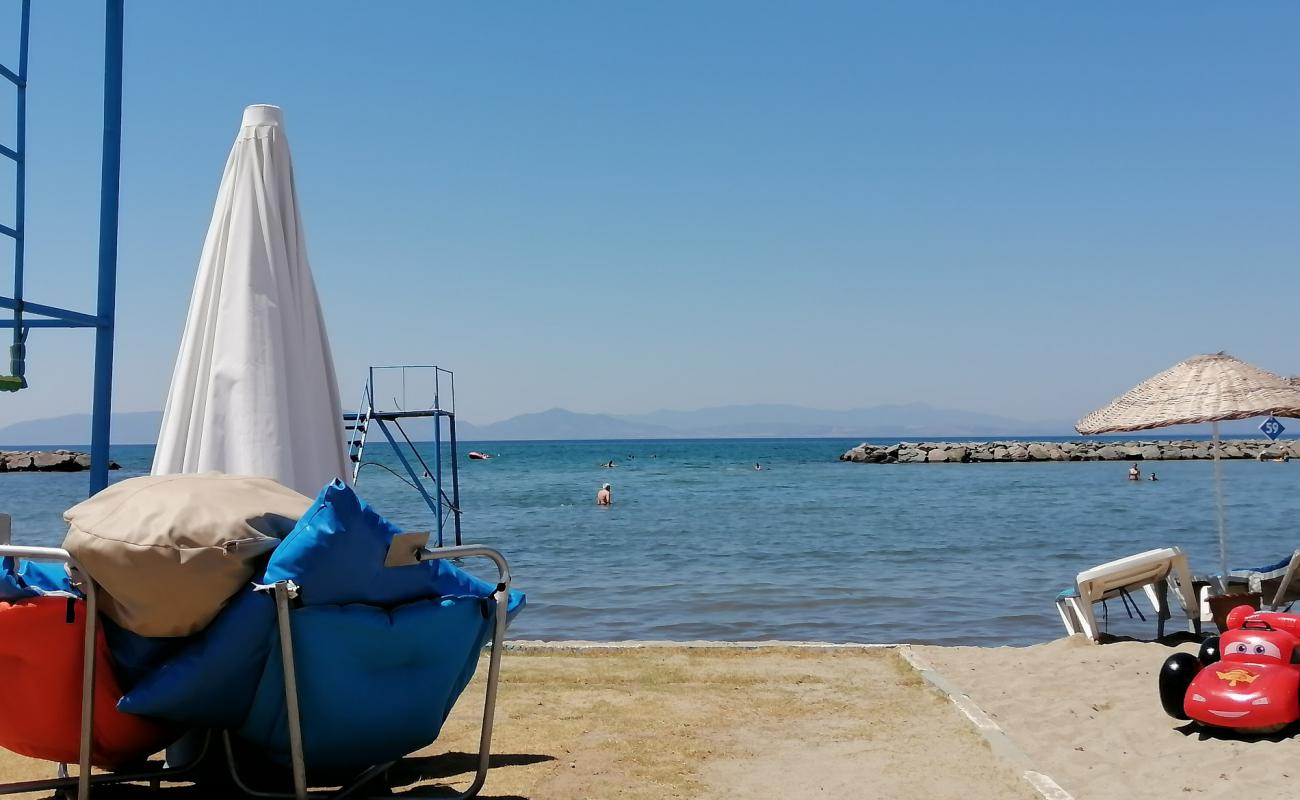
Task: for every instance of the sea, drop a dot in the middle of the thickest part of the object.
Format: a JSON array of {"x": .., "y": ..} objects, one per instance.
[{"x": 698, "y": 544}]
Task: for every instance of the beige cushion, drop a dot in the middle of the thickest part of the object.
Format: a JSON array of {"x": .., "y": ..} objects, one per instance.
[{"x": 168, "y": 551}]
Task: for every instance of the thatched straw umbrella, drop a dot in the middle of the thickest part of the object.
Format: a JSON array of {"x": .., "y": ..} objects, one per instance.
[{"x": 1209, "y": 388}]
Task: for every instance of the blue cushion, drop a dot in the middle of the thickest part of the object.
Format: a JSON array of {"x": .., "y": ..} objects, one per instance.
[
  {"x": 1279, "y": 567},
  {"x": 33, "y": 579},
  {"x": 392, "y": 674},
  {"x": 335, "y": 554},
  {"x": 211, "y": 681},
  {"x": 136, "y": 657}
]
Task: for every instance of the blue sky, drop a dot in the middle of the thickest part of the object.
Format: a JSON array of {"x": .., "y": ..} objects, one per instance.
[{"x": 1015, "y": 207}]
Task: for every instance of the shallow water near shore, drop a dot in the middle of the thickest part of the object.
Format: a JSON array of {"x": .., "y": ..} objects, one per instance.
[{"x": 700, "y": 545}]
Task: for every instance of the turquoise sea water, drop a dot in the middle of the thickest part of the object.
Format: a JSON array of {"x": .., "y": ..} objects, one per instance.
[{"x": 698, "y": 544}]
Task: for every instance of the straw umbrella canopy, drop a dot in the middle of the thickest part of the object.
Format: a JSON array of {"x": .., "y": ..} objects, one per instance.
[{"x": 1207, "y": 388}]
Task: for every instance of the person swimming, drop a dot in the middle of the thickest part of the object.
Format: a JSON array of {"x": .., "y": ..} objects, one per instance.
[
  {"x": 603, "y": 496},
  {"x": 757, "y": 466},
  {"x": 609, "y": 464},
  {"x": 1134, "y": 474},
  {"x": 1152, "y": 477}
]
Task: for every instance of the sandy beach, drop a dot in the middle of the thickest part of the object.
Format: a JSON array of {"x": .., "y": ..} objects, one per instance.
[
  {"x": 661, "y": 722},
  {"x": 583, "y": 720},
  {"x": 1090, "y": 717}
]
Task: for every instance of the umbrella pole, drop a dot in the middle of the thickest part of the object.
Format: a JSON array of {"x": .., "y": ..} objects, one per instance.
[{"x": 1218, "y": 505}]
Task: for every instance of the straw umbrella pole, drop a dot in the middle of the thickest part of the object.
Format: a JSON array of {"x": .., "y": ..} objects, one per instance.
[{"x": 1206, "y": 388}]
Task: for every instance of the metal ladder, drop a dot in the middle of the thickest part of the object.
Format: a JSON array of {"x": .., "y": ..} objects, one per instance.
[
  {"x": 358, "y": 425},
  {"x": 16, "y": 379}
]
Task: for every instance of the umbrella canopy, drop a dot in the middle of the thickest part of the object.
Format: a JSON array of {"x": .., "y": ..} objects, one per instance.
[
  {"x": 1208, "y": 388},
  {"x": 254, "y": 390}
]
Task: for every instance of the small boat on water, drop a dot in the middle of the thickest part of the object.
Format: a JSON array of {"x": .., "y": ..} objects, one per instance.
[{"x": 477, "y": 456}]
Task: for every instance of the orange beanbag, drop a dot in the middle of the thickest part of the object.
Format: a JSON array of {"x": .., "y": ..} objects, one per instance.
[{"x": 40, "y": 688}]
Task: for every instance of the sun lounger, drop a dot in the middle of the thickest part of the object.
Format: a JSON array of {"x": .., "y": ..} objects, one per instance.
[
  {"x": 1155, "y": 572},
  {"x": 365, "y": 629},
  {"x": 1276, "y": 583},
  {"x": 61, "y": 709}
]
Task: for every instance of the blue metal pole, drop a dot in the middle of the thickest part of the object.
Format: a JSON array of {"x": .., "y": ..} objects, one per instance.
[
  {"x": 437, "y": 466},
  {"x": 17, "y": 353},
  {"x": 108, "y": 211},
  {"x": 415, "y": 477},
  {"x": 455, "y": 475}
]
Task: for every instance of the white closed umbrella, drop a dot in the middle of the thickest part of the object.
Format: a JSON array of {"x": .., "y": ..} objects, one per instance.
[{"x": 254, "y": 390}]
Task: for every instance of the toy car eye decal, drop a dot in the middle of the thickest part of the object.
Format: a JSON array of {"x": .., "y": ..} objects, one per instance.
[
  {"x": 1263, "y": 701},
  {"x": 1255, "y": 647}
]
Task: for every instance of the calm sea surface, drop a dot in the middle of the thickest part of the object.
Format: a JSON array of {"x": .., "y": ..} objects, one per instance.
[{"x": 698, "y": 544}]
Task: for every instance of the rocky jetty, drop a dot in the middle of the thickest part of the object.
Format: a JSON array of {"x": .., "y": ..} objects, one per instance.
[
  {"x": 999, "y": 452},
  {"x": 47, "y": 461}
]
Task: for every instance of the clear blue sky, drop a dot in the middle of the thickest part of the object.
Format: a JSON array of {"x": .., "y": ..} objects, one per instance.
[{"x": 1013, "y": 207}]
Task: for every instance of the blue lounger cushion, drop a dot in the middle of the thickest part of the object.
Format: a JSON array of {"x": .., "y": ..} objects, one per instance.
[
  {"x": 335, "y": 554},
  {"x": 390, "y": 673},
  {"x": 21, "y": 580},
  {"x": 211, "y": 681},
  {"x": 1271, "y": 571}
]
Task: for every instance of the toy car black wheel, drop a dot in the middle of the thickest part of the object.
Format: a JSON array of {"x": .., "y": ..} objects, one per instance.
[
  {"x": 1209, "y": 651},
  {"x": 1175, "y": 676}
]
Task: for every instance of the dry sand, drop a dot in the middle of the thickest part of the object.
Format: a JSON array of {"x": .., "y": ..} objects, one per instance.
[
  {"x": 668, "y": 722},
  {"x": 1090, "y": 716},
  {"x": 735, "y": 722}
]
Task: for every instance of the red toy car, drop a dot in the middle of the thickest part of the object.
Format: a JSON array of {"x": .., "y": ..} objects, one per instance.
[{"x": 1247, "y": 679}]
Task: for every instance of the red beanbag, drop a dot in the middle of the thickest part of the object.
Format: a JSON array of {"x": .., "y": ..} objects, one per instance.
[{"x": 40, "y": 688}]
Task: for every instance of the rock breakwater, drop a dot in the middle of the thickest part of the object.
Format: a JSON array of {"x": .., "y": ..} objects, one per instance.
[
  {"x": 1011, "y": 451},
  {"x": 47, "y": 461}
]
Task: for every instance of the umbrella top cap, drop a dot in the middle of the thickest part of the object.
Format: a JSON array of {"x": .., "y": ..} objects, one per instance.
[
  {"x": 263, "y": 115},
  {"x": 1205, "y": 388}
]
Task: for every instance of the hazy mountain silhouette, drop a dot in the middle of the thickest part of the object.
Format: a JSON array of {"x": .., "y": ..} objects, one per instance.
[{"x": 910, "y": 420}]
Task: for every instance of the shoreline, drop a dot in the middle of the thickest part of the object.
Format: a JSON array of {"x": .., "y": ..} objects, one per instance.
[{"x": 1015, "y": 451}]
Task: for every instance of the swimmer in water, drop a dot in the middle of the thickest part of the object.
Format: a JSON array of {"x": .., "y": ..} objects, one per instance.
[
  {"x": 757, "y": 465},
  {"x": 1134, "y": 474},
  {"x": 1153, "y": 477},
  {"x": 602, "y": 497},
  {"x": 608, "y": 464}
]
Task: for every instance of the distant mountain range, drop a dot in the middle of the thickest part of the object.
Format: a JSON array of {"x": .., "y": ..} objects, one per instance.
[{"x": 909, "y": 420}]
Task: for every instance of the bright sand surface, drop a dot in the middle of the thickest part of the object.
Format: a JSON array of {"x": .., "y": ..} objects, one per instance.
[
  {"x": 1089, "y": 716},
  {"x": 670, "y": 721},
  {"x": 665, "y": 721}
]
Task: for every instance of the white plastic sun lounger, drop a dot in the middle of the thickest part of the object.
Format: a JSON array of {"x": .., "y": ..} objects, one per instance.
[
  {"x": 1275, "y": 582},
  {"x": 1155, "y": 572}
]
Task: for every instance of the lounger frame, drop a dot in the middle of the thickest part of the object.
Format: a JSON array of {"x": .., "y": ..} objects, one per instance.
[
  {"x": 1255, "y": 581},
  {"x": 1077, "y": 611},
  {"x": 85, "y": 777},
  {"x": 284, "y": 592}
]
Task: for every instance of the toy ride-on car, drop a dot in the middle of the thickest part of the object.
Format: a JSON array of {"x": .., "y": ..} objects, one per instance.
[{"x": 1248, "y": 679}]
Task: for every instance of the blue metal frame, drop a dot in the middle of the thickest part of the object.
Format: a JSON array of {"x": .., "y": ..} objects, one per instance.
[
  {"x": 50, "y": 316},
  {"x": 436, "y": 499}
]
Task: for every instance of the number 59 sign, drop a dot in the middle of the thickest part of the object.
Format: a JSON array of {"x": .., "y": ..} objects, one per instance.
[{"x": 1271, "y": 428}]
